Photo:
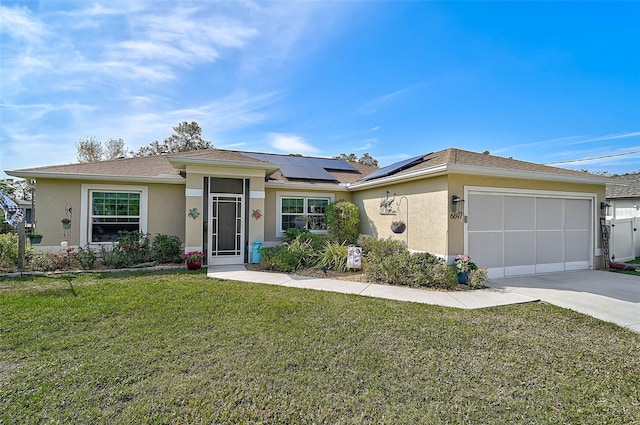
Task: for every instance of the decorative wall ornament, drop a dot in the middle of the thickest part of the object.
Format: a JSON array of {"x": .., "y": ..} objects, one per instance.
[
  {"x": 256, "y": 214},
  {"x": 386, "y": 204},
  {"x": 193, "y": 213}
]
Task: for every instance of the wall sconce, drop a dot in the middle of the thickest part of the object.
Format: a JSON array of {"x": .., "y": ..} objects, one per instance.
[
  {"x": 455, "y": 201},
  {"x": 605, "y": 208}
]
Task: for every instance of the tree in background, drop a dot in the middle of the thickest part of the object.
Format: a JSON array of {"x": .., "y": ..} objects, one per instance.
[
  {"x": 187, "y": 137},
  {"x": 365, "y": 159},
  {"x": 90, "y": 149}
]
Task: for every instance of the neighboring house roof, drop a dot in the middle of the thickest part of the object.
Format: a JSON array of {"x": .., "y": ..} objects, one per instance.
[
  {"x": 625, "y": 186},
  {"x": 167, "y": 168}
]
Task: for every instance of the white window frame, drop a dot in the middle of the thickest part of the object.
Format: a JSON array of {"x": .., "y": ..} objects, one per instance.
[
  {"x": 298, "y": 195},
  {"x": 85, "y": 207}
]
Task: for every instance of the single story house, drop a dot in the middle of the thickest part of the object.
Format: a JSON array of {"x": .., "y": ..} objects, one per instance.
[
  {"x": 623, "y": 215},
  {"x": 511, "y": 216}
]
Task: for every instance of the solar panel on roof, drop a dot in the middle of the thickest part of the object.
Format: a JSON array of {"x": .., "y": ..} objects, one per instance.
[
  {"x": 301, "y": 167},
  {"x": 334, "y": 164},
  {"x": 311, "y": 173},
  {"x": 394, "y": 168}
]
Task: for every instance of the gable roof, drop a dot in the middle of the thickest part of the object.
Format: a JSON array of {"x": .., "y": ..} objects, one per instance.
[
  {"x": 625, "y": 186},
  {"x": 167, "y": 168},
  {"x": 453, "y": 160}
]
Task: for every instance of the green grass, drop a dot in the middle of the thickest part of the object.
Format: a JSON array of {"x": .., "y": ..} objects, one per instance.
[{"x": 181, "y": 348}]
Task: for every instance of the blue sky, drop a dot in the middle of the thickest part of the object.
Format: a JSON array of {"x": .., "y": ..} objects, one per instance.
[{"x": 539, "y": 81}]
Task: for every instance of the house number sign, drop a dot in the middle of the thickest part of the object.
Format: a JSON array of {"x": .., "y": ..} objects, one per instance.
[{"x": 456, "y": 216}]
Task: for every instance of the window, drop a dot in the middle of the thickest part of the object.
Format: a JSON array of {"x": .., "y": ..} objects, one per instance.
[
  {"x": 112, "y": 212},
  {"x": 107, "y": 208},
  {"x": 312, "y": 206}
]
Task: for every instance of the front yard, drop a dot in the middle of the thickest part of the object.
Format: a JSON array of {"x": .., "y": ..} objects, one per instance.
[{"x": 181, "y": 348}]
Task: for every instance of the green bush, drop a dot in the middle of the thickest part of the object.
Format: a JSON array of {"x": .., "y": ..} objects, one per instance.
[
  {"x": 302, "y": 247},
  {"x": 333, "y": 257},
  {"x": 86, "y": 257},
  {"x": 342, "y": 221},
  {"x": 113, "y": 257},
  {"x": 366, "y": 243},
  {"x": 167, "y": 249},
  {"x": 279, "y": 258},
  {"x": 383, "y": 248},
  {"x": 9, "y": 252},
  {"x": 390, "y": 262},
  {"x": 292, "y": 233},
  {"x": 135, "y": 246}
]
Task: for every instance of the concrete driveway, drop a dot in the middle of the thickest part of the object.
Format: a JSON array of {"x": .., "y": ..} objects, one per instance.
[{"x": 609, "y": 296}]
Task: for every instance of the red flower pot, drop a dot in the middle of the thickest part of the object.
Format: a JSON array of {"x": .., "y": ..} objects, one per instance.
[{"x": 194, "y": 265}]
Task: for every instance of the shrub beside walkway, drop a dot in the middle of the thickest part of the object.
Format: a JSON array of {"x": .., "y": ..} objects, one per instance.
[{"x": 460, "y": 299}]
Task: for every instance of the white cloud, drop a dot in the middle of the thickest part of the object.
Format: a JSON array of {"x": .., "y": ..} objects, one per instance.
[
  {"x": 570, "y": 141},
  {"x": 19, "y": 23},
  {"x": 291, "y": 144}
]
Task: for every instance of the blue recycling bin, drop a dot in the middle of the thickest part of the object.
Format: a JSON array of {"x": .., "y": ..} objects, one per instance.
[{"x": 256, "y": 256}]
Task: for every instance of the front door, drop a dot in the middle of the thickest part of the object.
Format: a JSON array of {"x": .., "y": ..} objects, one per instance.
[{"x": 226, "y": 228}]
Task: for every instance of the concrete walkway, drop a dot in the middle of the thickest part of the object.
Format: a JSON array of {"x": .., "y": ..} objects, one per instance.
[
  {"x": 459, "y": 299},
  {"x": 608, "y": 296}
]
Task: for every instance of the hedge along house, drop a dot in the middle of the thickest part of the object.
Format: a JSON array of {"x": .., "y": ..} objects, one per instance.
[{"x": 511, "y": 216}]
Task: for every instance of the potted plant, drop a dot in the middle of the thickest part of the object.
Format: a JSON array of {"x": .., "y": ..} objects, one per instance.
[
  {"x": 34, "y": 237},
  {"x": 464, "y": 265},
  {"x": 398, "y": 226},
  {"x": 66, "y": 223},
  {"x": 194, "y": 259},
  {"x": 300, "y": 221}
]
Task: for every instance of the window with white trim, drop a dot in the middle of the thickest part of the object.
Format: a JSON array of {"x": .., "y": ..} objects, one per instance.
[
  {"x": 311, "y": 206},
  {"x": 111, "y": 212}
]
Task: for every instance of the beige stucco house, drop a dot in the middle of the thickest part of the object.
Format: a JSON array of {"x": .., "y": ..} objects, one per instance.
[{"x": 511, "y": 216}]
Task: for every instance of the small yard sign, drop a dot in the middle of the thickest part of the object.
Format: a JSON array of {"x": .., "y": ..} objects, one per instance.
[{"x": 354, "y": 254}]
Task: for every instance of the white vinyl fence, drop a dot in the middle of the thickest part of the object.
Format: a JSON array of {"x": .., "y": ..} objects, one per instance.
[{"x": 625, "y": 239}]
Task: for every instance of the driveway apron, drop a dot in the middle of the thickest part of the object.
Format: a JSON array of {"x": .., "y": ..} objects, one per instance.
[{"x": 609, "y": 296}]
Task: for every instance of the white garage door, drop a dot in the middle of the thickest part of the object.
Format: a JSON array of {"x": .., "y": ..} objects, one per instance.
[{"x": 512, "y": 234}]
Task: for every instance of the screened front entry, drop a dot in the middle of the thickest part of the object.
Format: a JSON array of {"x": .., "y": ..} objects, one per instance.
[{"x": 226, "y": 221}]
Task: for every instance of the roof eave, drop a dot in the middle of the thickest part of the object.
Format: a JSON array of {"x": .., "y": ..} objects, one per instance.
[
  {"x": 166, "y": 179},
  {"x": 328, "y": 187},
  {"x": 478, "y": 170},
  {"x": 179, "y": 162},
  {"x": 382, "y": 181},
  {"x": 523, "y": 174}
]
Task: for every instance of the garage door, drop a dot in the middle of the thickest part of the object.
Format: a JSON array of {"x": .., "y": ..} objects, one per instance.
[{"x": 512, "y": 234}]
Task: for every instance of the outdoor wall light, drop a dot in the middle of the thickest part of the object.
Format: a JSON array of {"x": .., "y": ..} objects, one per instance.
[
  {"x": 605, "y": 207},
  {"x": 455, "y": 201}
]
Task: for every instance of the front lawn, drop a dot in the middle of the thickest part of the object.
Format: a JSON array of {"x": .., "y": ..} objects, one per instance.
[{"x": 182, "y": 348}]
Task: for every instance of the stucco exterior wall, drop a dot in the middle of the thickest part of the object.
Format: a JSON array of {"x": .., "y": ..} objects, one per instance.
[
  {"x": 166, "y": 210},
  {"x": 50, "y": 199},
  {"x": 422, "y": 205},
  {"x": 165, "y": 207}
]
